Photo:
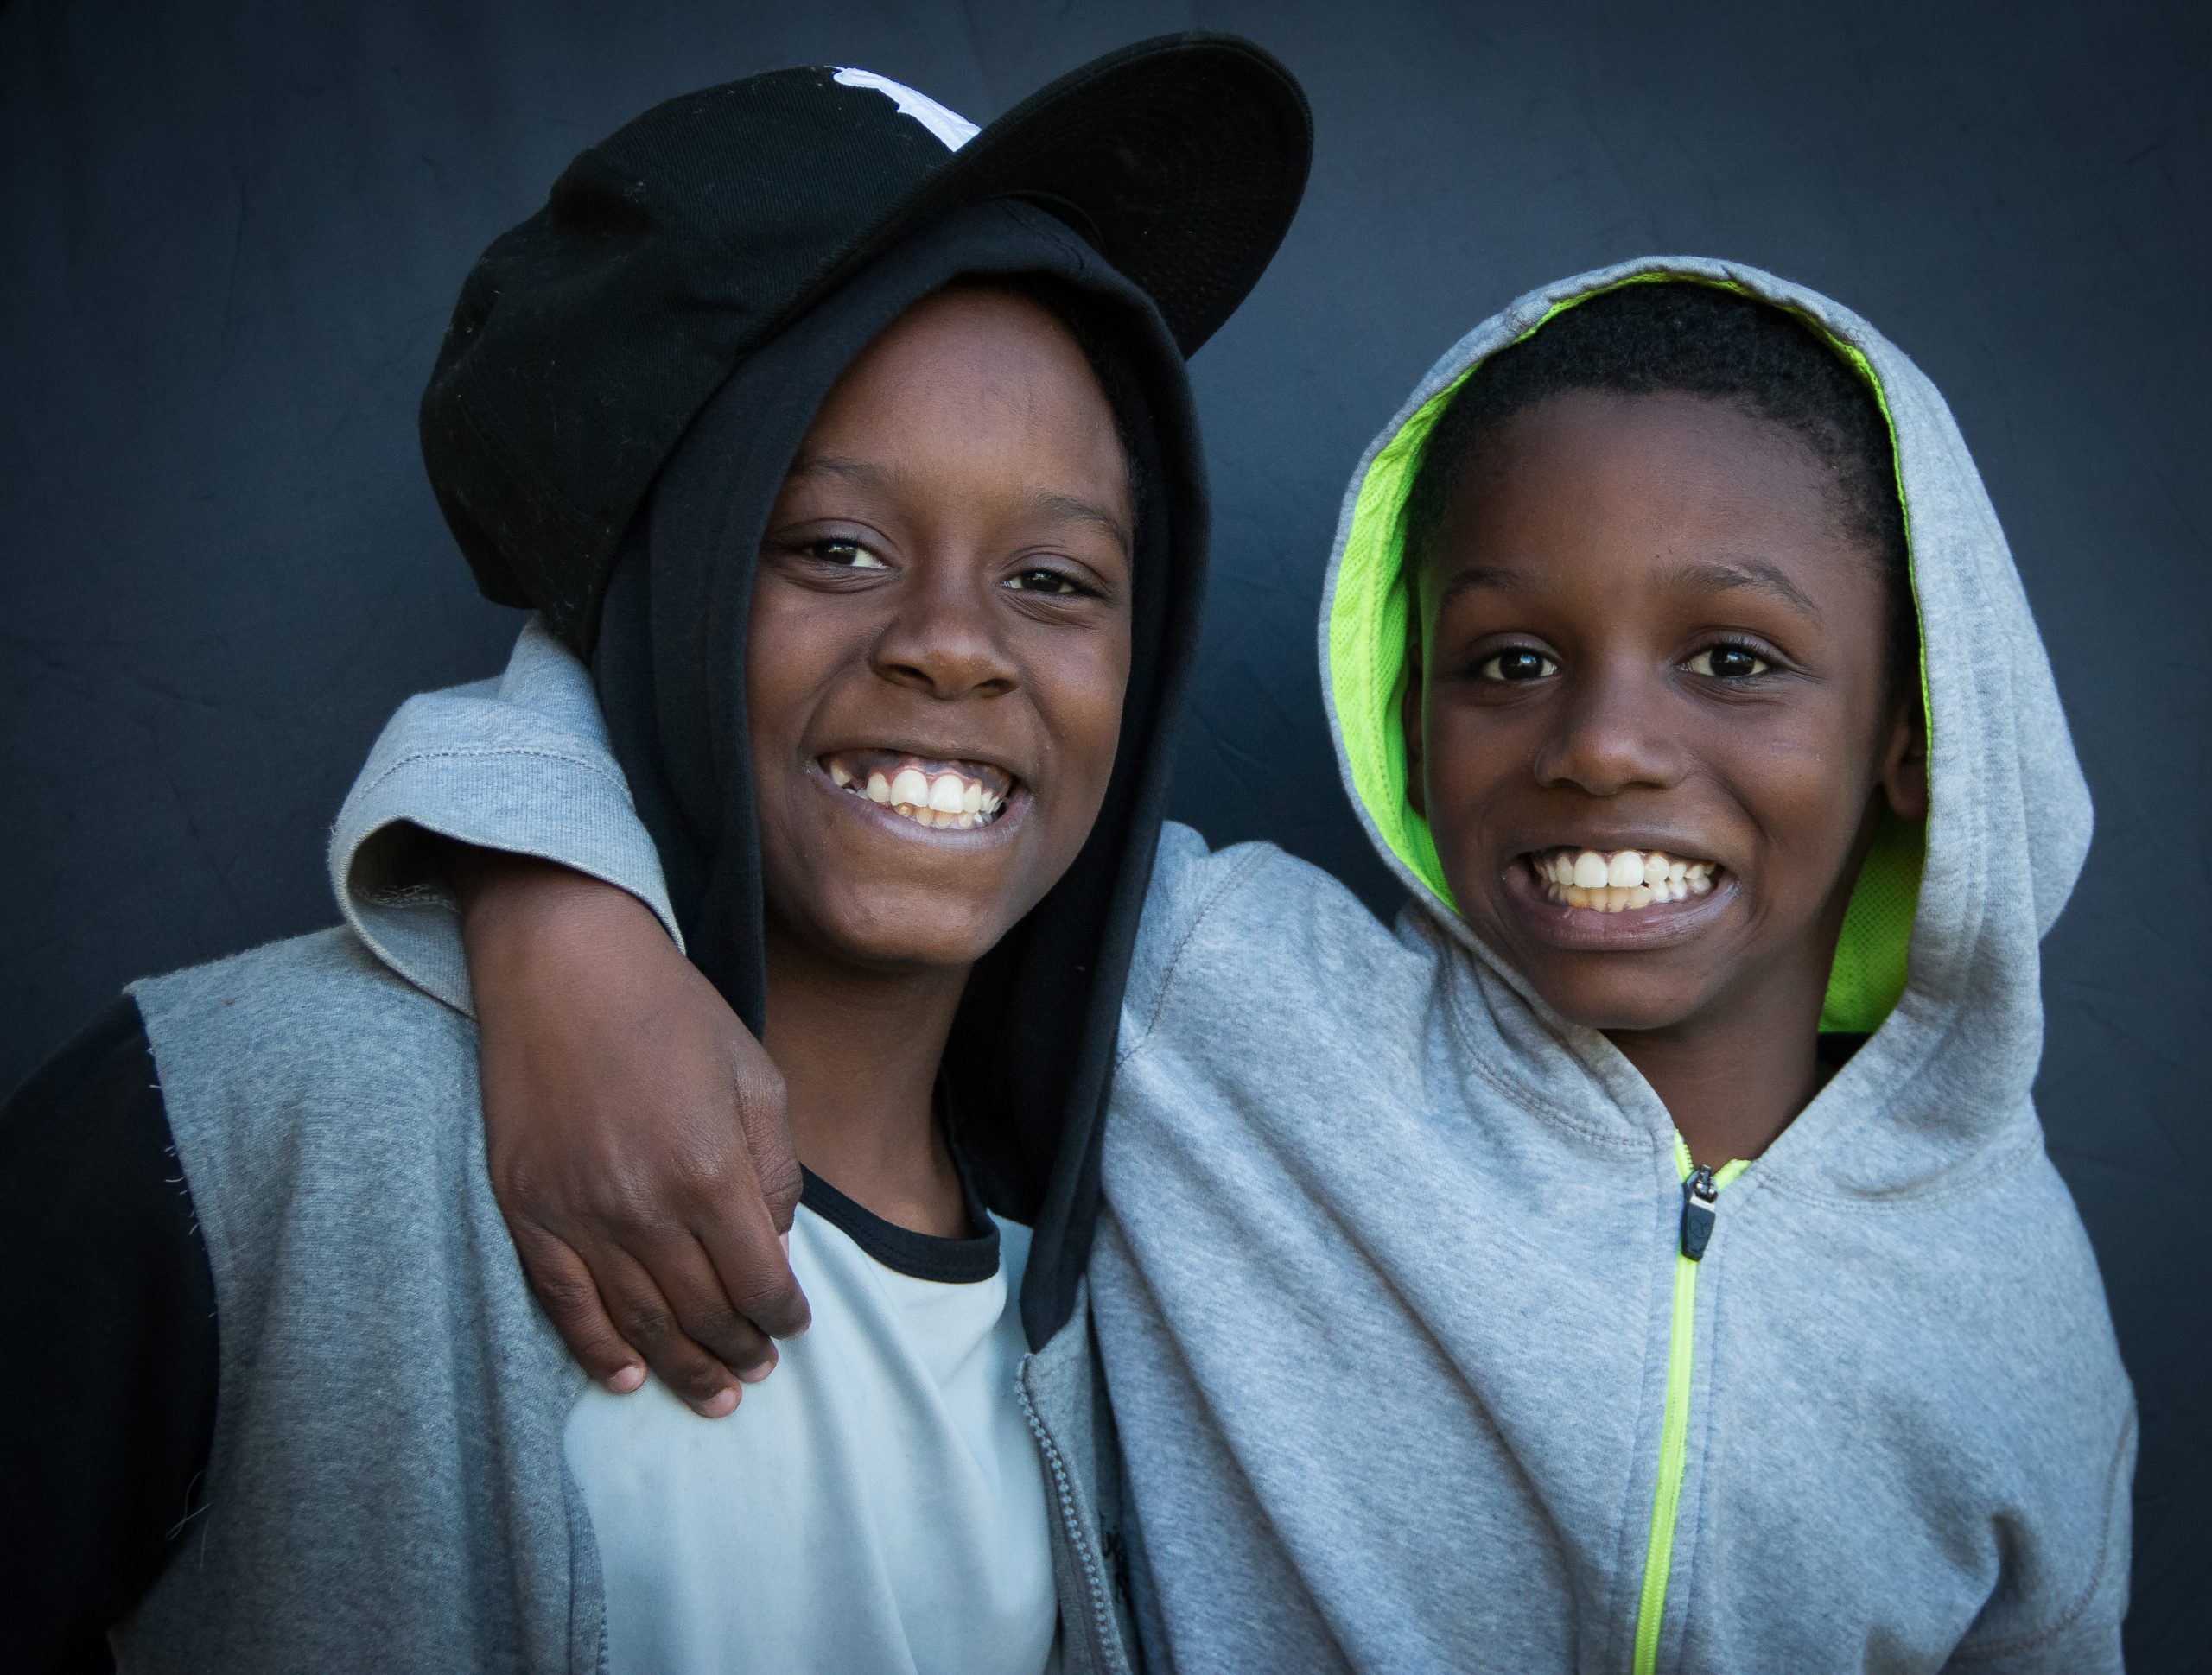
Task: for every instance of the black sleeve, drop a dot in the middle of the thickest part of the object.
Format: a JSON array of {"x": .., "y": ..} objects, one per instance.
[{"x": 109, "y": 1319}]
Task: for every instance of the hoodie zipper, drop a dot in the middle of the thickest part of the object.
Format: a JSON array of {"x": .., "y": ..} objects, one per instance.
[
  {"x": 1101, "y": 1636},
  {"x": 1701, "y": 1204}
]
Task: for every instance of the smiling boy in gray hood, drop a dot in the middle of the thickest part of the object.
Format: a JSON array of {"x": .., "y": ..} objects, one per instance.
[{"x": 1644, "y": 1257}]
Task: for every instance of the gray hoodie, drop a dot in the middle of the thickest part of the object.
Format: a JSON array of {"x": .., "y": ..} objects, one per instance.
[{"x": 1408, "y": 1368}]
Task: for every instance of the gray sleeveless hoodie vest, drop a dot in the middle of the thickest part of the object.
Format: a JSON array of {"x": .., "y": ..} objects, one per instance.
[{"x": 385, "y": 1487}]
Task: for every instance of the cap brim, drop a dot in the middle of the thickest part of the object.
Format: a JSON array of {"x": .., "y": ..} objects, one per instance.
[{"x": 1182, "y": 159}]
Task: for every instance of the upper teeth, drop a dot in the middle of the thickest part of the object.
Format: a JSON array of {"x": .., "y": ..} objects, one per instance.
[
  {"x": 1623, "y": 879},
  {"x": 947, "y": 799}
]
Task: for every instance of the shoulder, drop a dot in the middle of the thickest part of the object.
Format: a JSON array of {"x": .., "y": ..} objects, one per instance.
[
  {"x": 104, "y": 1065},
  {"x": 2005, "y": 1247},
  {"x": 1225, "y": 921},
  {"x": 307, "y": 1065},
  {"x": 84, "y": 1148},
  {"x": 321, "y": 1002},
  {"x": 1189, "y": 881},
  {"x": 2025, "y": 1260},
  {"x": 1990, "y": 1293}
]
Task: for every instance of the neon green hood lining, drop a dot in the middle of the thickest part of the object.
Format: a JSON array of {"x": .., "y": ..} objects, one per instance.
[{"x": 1367, "y": 623}]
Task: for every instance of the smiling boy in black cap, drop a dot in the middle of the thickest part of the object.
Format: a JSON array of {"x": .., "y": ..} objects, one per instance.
[{"x": 854, "y": 452}]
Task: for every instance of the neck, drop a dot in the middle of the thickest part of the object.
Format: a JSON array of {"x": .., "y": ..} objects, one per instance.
[
  {"x": 1734, "y": 1080},
  {"x": 1738, "y": 1073},
  {"x": 859, "y": 1050}
]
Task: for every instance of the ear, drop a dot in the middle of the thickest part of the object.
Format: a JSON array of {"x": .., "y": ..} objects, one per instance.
[
  {"x": 1905, "y": 762},
  {"x": 1409, "y": 717}
]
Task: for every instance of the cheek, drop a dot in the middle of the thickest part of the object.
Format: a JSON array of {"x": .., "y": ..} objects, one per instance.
[
  {"x": 1079, "y": 690},
  {"x": 1472, "y": 755},
  {"x": 791, "y": 655},
  {"x": 1799, "y": 780}
]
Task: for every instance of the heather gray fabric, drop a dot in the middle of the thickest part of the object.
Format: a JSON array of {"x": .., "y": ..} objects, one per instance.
[
  {"x": 386, "y": 1486},
  {"x": 1386, "y": 1283}
]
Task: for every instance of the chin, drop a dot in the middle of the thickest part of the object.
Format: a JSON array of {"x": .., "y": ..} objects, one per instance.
[
  {"x": 911, "y": 929},
  {"x": 1612, "y": 1001}
]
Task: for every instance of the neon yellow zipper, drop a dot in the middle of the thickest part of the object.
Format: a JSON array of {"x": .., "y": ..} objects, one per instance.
[{"x": 1674, "y": 1419}]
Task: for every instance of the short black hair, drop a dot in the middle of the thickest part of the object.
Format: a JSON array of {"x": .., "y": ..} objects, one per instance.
[{"x": 1685, "y": 338}]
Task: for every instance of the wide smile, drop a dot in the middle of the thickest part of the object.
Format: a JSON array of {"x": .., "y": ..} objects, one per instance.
[
  {"x": 1617, "y": 898},
  {"x": 922, "y": 795}
]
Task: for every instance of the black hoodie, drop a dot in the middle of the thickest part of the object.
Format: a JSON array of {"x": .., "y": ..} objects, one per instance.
[{"x": 1027, "y": 1064}]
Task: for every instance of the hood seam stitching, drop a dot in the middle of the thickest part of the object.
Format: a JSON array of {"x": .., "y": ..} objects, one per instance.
[
  {"x": 1992, "y": 1170},
  {"x": 1632, "y": 1144},
  {"x": 1630, "y": 1141},
  {"x": 474, "y": 752}
]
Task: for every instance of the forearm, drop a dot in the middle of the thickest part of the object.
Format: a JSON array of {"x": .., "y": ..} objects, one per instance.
[
  {"x": 490, "y": 855},
  {"x": 526, "y": 924}
]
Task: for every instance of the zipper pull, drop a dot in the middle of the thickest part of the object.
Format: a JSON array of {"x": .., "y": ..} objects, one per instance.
[{"x": 1699, "y": 1196}]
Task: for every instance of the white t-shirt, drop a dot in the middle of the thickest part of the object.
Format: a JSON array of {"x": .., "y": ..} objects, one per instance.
[{"x": 876, "y": 1505}]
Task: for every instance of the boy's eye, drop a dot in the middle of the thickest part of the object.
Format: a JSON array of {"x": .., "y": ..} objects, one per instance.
[
  {"x": 1518, "y": 664},
  {"x": 1728, "y": 663},
  {"x": 1044, "y": 581},
  {"x": 848, "y": 555}
]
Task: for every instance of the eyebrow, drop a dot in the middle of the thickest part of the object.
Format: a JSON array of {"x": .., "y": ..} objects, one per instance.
[
  {"x": 851, "y": 471},
  {"x": 1497, "y": 577},
  {"x": 1711, "y": 574},
  {"x": 1054, "y": 507},
  {"x": 1073, "y": 509},
  {"x": 1717, "y": 574}
]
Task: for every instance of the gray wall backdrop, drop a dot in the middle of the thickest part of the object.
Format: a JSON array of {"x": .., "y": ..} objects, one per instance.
[{"x": 230, "y": 237}]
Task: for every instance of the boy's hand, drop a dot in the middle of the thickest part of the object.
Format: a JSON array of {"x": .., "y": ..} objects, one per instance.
[{"x": 636, "y": 1131}]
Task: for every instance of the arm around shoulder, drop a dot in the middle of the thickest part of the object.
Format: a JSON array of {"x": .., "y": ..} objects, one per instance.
[
  {"x": 520, "y": 764},
  {"x": 634, "y": 1132}
]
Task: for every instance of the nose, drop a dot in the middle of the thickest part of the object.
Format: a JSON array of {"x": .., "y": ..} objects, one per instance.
[
  {"x": 1613, "y": 734},
  {"x": 946, "y": 637}
]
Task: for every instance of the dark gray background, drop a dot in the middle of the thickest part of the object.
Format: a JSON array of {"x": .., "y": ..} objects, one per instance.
[{"x": 230, "y": 237}]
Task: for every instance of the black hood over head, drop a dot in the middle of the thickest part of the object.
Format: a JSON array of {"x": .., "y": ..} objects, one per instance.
[{"x": 1031, "y": 1049}]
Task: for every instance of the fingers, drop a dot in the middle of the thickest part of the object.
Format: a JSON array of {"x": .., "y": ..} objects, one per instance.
[
  {"x": 643, "y": 1315},
  {"x": 673, "y": 1308},
  {"x": 565, "y": 1288},
  {"x": 757, "y": 1090},
  {"x": 745, "y": 1250},
  {"x": 695, "y": 1296}
]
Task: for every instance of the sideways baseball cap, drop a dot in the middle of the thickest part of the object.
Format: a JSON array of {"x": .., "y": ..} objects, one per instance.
[{"x": 586, "y": 338}]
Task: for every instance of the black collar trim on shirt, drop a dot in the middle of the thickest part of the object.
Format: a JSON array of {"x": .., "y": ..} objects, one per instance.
[{"x": 918, "y": 1255}]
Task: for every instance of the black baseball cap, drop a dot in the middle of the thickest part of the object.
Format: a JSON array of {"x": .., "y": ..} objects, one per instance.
[{"x": 587, "y": 338}]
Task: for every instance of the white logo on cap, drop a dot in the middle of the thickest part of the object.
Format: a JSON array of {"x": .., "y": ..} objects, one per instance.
[{"x": 952, "y": 128}]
